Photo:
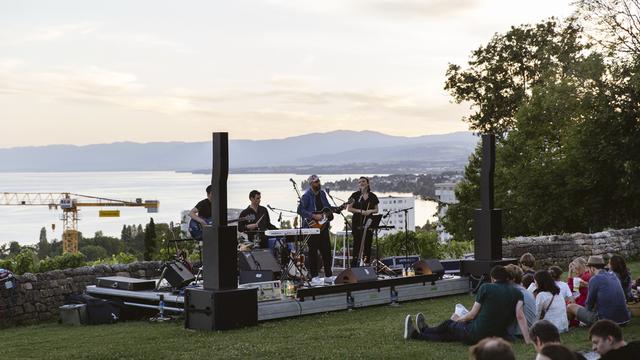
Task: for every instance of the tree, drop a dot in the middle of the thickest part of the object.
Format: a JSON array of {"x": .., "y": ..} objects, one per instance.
[
  {"x": 501, "y": 74},
  {"x": 615, "y": 23},
  {"x": 14, "y": 248},
  {"x": 569, "y": 158},
  {"x": 94, "y": 252},
  {"x": 44, "y": 248},
  {"x": 149, "y": 240}
]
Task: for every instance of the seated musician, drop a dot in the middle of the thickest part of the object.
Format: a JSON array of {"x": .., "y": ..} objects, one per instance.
[
  {"x": 255, "y": 228},
  {"x": 202, "y": 211},
  {"x": 363, "y": 203},
  {"x": 312, "y": 203}
]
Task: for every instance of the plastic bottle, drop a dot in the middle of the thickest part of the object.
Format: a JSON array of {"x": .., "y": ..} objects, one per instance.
[
  {"x": 404, "y": 272},
  {"x": 161, "y": 306}
]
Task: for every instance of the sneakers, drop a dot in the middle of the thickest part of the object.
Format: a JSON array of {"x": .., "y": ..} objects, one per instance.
[
  {"x": 410, "y": 331},
  {"x": 421, "y": 322}
]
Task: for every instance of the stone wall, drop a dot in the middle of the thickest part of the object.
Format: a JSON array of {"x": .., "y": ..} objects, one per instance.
[
  {"x": 562, "y": 249},
  {"x": 36, "y": 297}
]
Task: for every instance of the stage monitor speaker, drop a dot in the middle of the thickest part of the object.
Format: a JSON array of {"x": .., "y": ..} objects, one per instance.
[
  {"x": 429, "y": 266},
  {"x": 356, "y": 275},
  {"x": 258, "y": 260},
  {"x": 178, "y": 275}
]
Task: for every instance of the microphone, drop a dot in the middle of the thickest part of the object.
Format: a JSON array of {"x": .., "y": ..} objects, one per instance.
[
  {"x": 280, "y": 217},
  {"x": 294, "y": 183},
  {"x": 270, "y": 208}
]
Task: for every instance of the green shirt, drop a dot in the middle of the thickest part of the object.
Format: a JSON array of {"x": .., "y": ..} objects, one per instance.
[{"x": 497, "y": 312}]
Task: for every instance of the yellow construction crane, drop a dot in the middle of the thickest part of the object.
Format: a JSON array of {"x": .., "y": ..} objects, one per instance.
[{"x": 69, "y": 203}]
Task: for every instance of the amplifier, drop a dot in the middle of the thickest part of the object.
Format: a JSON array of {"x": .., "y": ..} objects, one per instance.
[
  {"x": 399, "y": 262},
  {"x": 267, "y": 290}
]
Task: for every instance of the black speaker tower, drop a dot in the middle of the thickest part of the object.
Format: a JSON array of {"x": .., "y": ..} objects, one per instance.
[
  {"x": 220, "y": 305},
  {"x": 487, "y": 220}
]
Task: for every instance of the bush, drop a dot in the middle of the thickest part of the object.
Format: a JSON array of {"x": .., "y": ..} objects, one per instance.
[
  {"x": 7, "y": 264},
  {"x": 66, "y": 261},
  {"x": 25, "y": 261},
  {"x": 120, "y": 258},
  {"x": 425, "y": 243},
  {"x": 456, "y": 249}
]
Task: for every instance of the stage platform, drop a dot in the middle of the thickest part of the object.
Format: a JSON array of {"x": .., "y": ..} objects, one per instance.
[{"x": 313, "y": 300}]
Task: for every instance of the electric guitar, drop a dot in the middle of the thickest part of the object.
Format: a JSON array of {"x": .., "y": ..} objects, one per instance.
[
  {"x": 327, "y": 215},
  {"x": 195, "y": 228}
]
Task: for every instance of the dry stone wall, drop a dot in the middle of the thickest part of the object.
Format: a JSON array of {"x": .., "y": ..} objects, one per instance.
[
  {"x": 36, "y": 297},
  {"x": 562, "y": 249}
]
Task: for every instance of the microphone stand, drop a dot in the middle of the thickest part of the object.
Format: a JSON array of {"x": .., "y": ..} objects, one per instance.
[
  {"x": 406, "y": 232},
  {"x": 347, "y": 226},
  {"x": 299, "y": 237}
]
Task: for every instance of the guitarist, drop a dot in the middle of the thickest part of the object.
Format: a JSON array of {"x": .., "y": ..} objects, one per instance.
[
  {"x": 202, "y": 211},
  {"x": 312, "y": 203},
  {"x": 362, "y": 204},
  {"x": 260, "y": 222}
]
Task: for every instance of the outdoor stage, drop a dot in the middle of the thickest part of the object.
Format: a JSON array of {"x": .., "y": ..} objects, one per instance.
[{"x": 312, "y": 300}]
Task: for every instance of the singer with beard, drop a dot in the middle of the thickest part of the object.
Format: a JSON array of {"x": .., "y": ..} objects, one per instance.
[
  {"x": 362, "y": 204},
  {"x": 261, "y": 221},
  {"x": 312, "y": 202}
]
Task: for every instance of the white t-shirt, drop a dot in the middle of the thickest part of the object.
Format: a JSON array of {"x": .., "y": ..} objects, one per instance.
[
  {"x": 557, "y": 312},
  {"x": 565, "y": 292}
]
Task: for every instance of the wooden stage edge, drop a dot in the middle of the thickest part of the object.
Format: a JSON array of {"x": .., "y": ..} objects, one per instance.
[{"x": 386, "y": 293}]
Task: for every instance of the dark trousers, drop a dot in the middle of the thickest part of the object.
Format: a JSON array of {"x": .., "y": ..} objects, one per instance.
[
  {"x": 448, "y": 330},
  {"x": 319, "y": 243},
  {"x": 357, "y": 240}
]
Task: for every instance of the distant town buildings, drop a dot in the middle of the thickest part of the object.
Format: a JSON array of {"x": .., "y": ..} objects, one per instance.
[
  {"x": 391, "y": 208},
  {"x": 445, "y": 193}
]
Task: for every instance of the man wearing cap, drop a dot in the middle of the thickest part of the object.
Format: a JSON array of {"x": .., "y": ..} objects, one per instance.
[
  {"x": 312, "y": 203},
  {"x": 605, "y": 300}
]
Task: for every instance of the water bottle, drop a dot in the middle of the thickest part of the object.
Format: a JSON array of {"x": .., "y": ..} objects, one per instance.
[{"x": 161, "y": 306}]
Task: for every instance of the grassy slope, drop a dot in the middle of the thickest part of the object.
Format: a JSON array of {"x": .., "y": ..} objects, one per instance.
[{"x": 363, "y": 333}]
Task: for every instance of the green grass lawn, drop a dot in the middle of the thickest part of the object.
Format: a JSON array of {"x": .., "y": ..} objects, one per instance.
[{"x": 363, "y": 333}]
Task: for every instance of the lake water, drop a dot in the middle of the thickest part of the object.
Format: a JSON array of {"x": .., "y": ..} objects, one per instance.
[{"x": 175, "y": 191}]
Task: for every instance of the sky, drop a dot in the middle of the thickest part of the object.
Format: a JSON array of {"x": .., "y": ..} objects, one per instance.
[{"x": 85, "y": 72}]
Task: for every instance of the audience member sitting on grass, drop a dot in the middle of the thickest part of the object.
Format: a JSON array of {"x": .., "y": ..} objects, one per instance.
[
  {"x": 605, "y": 300},
  {"x": 496, "y": 306},
  {"x": 528, "y": 263},
  {"x": 555, "y": 352},
  {"x": 565, "y": 292},
  {"x": 618, "y": 266},
  {"x": 493, "y": 348},
  {"x": 549, "y": 303},
  {"x": 527, "y": 280},
  {"x": 544, "y": 333},
  {"x": 606, "y": 339},
  {"x": 529, "y": 302},
  {"x": 578, "y": 269}
]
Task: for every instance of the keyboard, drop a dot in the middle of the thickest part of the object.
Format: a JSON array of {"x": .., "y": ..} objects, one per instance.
[{"x": 292, "y": 232}]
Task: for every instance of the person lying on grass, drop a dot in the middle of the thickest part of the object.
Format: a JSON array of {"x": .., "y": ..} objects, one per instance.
[{"x": 489, "y": 316}]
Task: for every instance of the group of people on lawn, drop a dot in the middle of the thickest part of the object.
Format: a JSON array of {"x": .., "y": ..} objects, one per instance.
[{"x": 593, "y": 295}]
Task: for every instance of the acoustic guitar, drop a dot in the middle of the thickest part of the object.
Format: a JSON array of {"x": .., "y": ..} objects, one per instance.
[{"x": 327, "y": 215}]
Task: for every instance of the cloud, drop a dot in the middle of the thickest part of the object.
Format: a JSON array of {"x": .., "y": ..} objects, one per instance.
[
  {"x": 53, "y": 32},
  {"x": 417, "y": 8}
]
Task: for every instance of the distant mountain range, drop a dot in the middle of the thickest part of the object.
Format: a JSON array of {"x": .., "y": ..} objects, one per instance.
[{"x": 334, "y": 148}]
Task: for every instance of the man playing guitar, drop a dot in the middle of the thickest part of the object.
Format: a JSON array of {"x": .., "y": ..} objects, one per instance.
[
  {"x": 261, "y": 221},
  {"x": 201, "y": 213},
  {"x": 363, "y": 203},
  {"x": 317, "y": 212}
]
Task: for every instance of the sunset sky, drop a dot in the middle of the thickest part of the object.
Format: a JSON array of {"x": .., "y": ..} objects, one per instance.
[{"x": 84, "y": 72}]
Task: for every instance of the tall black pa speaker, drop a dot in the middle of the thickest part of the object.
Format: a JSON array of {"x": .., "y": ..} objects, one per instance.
[
  {"x": 356, "y": 275},
  {"x": 177, "y": 274},
  {"x": 258, "y": 260},
  {"x": 429, "y": 266}
]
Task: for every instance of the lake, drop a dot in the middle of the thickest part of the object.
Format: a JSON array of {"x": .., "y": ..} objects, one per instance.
[{"x": 175, "y": 191}]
